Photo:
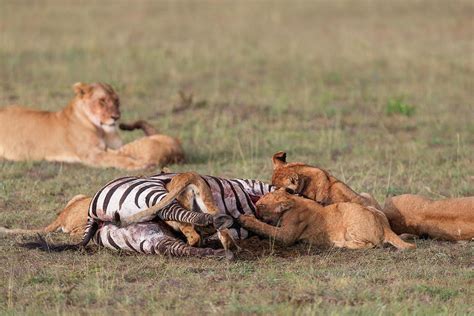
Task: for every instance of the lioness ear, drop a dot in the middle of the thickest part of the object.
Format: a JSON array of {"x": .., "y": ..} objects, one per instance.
[
  {"x": 279, "y": 159},
  {"x": 80, "y": 88}
]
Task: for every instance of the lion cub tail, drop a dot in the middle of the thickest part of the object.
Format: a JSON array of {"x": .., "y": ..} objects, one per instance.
[
  {"x": 393, "y": 239},
  {"x": 146, "y": 127},
  {"x": 389, "y": 235},
  {"x": 14, "y": 231}
]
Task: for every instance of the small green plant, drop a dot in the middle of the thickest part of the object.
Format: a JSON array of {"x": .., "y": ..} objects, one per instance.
[{"x": 399, "y": 106}]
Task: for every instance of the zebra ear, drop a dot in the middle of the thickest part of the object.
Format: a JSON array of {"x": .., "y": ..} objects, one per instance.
[{"x": 279, "y": 159}]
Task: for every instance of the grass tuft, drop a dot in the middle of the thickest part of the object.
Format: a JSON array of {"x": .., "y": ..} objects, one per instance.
[{"x": 399, "y": 106}]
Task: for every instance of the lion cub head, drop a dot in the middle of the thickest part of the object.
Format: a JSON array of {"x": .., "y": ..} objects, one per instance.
[
  {"x": 99, "y": 102},
  {"x": 273, "y": 205},
  {"x": 299, "y": 178},
  {"x": 287, "y": 176}
]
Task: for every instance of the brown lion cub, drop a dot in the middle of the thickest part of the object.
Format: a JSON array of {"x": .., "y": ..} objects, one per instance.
[
  {"x": 72, "y": 219},
  {"x": 449, "y": 219},
  {"x": 81, "y": 132},
  {"x": 153, "y": 149},
  {"x": 342, "y": 225},
  {"x": 315, "y": 183}
]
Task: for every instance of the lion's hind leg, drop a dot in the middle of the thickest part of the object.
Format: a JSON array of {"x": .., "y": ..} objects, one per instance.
[{"x": 199, "y": 194}]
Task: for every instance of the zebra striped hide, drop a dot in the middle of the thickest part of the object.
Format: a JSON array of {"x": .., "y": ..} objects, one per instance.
[{"x": 128, "y": 195}]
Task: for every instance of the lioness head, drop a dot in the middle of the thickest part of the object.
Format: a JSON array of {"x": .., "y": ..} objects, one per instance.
[
  {"x": 286, "y": 177},
  {"x": 99, "y": 102},
  {"x": 272, "y": 206}
]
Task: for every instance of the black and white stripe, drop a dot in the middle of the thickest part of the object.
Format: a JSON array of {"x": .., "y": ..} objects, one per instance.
[
  {"x": 128, "y": 195},
  {"x": 147, "y": 238}
]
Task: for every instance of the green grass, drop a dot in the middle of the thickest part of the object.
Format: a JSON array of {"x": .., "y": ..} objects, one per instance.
[
  {"x": 312, "y": 79},
  {"x": 398, "y": 106}
]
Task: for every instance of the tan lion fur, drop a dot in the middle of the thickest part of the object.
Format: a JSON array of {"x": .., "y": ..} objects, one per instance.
[
  {"x": 153, "y": 149},
  {"x": 72, "y": 219},
  {"x": 315, "y": 183},
  {"x": 82, "y": 132},
  {"x": 343, "y": 225},
  {"x": 448, "y": 219}
]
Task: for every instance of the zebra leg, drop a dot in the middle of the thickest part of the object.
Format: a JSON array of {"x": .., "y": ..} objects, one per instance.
[
  {"x": 148, "y": 238},
  {"x": 175, "y": 247},
  {"x": 199, "y": 192},
  {"x": 175, "y": 212},
  {"x": 179, "y": 184}
]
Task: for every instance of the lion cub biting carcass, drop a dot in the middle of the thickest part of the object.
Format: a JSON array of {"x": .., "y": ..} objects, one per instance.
[
  {"x": 315, "y": 183},
  {"x": 342, "y": 225},
  {"x": 83, "y": 131}
]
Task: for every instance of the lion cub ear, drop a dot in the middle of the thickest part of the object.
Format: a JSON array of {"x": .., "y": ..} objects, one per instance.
[
  {"x": 279, "y": 159},
  {"x": 284, "y": 206},
  {"x": 80, "y": 88}
]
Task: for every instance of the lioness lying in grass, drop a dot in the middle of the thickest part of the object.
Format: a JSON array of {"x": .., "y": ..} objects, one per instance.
[
  {"x": 315, "y": 183},
  {"x": 343, "y": 225},
  {"x": 449, "y": 219},
  {"x": 84, "y": 131}
]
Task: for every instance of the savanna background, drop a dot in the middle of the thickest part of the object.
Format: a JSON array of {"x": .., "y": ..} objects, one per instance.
[{"x": 378, "y": 92}]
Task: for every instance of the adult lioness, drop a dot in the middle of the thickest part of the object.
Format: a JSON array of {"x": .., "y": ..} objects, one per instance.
[
  {"x": 448, "y": 219},
  {"x": 343, "y": 225},
  {"x": 81, "y": 132}
]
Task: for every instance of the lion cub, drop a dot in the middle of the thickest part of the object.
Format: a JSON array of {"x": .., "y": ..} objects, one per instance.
[
  {"x": 315, "y": 183},
  {"x": 154, "y": 148},
  {"x": 342, "y": 225},
  {"x": 449, "y": 219},
  {"x": 72, "y": 219}
]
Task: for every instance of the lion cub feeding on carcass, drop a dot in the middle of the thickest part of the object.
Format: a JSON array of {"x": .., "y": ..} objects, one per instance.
[
  {"x": 84, "y": 131},
  {"x": 342, "y": 225},
  {"x": 315, "y": 183}
]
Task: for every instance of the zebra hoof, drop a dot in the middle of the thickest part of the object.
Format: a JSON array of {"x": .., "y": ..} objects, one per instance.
[
  {"x": 222, "y": 221},
  {"x": 229, "y": 255}
]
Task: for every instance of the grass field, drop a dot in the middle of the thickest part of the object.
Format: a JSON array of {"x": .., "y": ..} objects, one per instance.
[{"x": 379, "y": 93}]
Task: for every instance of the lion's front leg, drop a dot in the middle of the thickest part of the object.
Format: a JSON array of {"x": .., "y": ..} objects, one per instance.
[
  {"x": 114, "y": 159},
  {"x": 284, "y": 235}
]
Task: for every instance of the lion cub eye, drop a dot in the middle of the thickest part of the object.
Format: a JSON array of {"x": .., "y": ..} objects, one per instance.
[{"x": 102, "y": 101}]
